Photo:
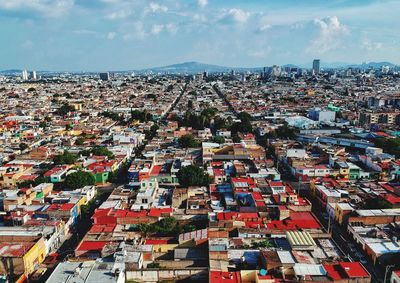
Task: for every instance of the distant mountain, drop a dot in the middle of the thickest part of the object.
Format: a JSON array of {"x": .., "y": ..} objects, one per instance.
[
  {"x": 334, "y": 65},
  {"x": 375, "y": 65},
  {"x": 195, "y": 67},
  {"x": 291, "y": 66},
  {"x": 12, "y": 71}
]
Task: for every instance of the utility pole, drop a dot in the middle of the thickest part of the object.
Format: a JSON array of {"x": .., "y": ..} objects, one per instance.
[
  {"x": 329, "y": 223},
  {"x": 388, "y": 267}
]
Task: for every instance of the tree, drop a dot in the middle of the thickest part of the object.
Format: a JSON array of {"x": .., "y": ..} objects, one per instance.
[
  {"x": 65, "y": 158},
  {"x": 188, "y": 141},
  {"x": 22, "y": 146},
  {"x": 43, "y": 124},
  {"x": 39, "y": 180},
  {"x": 166, "y": 224},
  {"x": 376, "y": 203},
  {"x": 193, "y": 176},
  {"x": 389, "y": 145},
  {"x": 262, "y": 244},
  {"x": 153, "y": 131},
  {"x": 79, "y": 179},
  {"x": 244, "y": 126},
  {"x": 113, "y": 116},
  {"x": 165, "y": 227},
  {"x": 142, "y": 116},
  {"x": 209, "y": 112},
  {"x": 236, "y": 138},
  {"x": 218, "y": 139},
  {"x": 79, "y": 141},
  {"x": 64, "y": 109},
  {"x": 153, "y": 265},
  {"x": 121, "y": 175},
  {"x": 244, "y": 116},
  {"x": 219, "y": 123},
  {"x": 144, "y": 228},
  {"x": 285, "y": 132},
  {"x": 99, "y": 151},
  {"x": 189, "y": 228}
]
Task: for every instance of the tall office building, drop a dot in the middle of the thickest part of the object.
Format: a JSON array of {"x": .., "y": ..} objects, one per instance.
[
  {"x": 33, "y": 75},
  {"x": 105, "y": 76},
  {"x": 276, "y": 71},
  {"x": 316, "y": 66},
  {"x": 24, "y": 75}
]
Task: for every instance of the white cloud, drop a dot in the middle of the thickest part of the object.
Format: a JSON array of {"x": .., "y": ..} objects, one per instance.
[
  {"x": 121, "y": 14},
  {"x": 84, "y": 31},
  {"x": 157, "y": 29},
  {"x": 137, "y": 32},
  {"x": 264, "y": 27},
  {"x": 48, "y": 8},
  {"x": 111, "y": 35},
  {"x": 297, "y": 26},
  {"x": 235, "y": 15},
  {"x": 171, "y": 28},
  {"x": 200, "y": 18},
  {"x": 329, "y": 36},
  {"x": 261, "y": 53},
  {"x": 111, "y": 1},
  {"x": 369, "y": 45},
  {"x": 202, "y": 3},
  {"x": 27, "y": 44},
  {"x": 155, "y": 7}
]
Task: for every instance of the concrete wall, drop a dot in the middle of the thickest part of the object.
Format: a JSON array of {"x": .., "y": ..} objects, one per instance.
[{"x": 156, "y": 275}]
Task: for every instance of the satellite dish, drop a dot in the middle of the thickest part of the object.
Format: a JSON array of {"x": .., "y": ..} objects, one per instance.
[{"x": 263, "y": 272}]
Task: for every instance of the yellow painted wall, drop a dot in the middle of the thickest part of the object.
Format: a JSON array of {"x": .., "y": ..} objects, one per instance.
[
  {"x": 81, "y": 201},
  {"x": 34, "y": 256},
  {"x": 248, "y": 275},
  {"x": 164, "y": 248}
]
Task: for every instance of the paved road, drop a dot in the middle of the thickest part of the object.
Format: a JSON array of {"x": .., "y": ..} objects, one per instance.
[{"x": 343, "y": 241}]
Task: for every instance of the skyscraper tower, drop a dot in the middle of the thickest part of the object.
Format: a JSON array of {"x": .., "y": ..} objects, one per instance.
[
  {"x": 24, "y": 75},
  {"x": 316, "y": 66},
  {"x": 33, "y": 75}
]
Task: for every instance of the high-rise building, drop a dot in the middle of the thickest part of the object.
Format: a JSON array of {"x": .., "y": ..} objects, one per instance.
[
  {"x": 316, "y": 66},
  {"x": 276, "y": 71},
  {"x": 33, "y": 75},
  {"x": 321, "y": 115},
  {"x": 385, "y": 69},
  {"x": 104, "y": 76},
  {"x": 24, "y": 75}
]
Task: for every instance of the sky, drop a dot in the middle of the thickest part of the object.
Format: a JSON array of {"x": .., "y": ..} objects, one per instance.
[{"x": 110, "y": 35}]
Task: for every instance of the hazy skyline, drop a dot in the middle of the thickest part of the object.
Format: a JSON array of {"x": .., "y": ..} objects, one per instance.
[{"x": 121, "y": 34}]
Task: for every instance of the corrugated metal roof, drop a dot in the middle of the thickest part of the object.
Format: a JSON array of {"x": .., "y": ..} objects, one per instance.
[{"x": 298, "y": 238}]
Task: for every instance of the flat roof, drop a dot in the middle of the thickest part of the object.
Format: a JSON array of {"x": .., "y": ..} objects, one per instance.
[
  {"x": 384, "y": 247},
  {"x": 15, "y": 249},
  {"x": 81, "y": 272},
  {"x": 286, "y": 257},
  {"x": 302, "y": 269},
  {"x": 378, "y": 212}
]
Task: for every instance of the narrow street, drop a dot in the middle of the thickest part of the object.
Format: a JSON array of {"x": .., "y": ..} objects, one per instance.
[{"x": 342, "y": 240}]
